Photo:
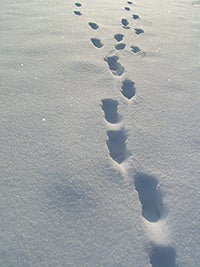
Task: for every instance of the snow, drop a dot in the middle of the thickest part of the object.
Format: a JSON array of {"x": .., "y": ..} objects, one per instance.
[{"x": 100, "y": 133}]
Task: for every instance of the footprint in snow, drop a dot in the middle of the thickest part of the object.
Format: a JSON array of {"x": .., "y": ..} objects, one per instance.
[
  {"x": 118, "y": 37},
  {"x": 120, "y": 46},
  {"x": 125, "y": 23},
  {"x": 151, "y": 201},
  {"x": 135, "y": 49},
  {"x": 93, "y": 25},
  {"x": 163, "y": 256},
  {"x": 110, "y": 106},
  {"x": 78, "y": 13},
  {"x": 138, "y": 31},
  {"x": 129, "y": 2},
  {"x": 96, "y": 42},
  {"x": 115, "y": 67},
  {"x": 128, "y": 88},
  {"x": 135, "y": 16},
  {"x": 117, "y": 145},
  {"x": 127, "y": 8},
  {"x": 78, "y": 4}
]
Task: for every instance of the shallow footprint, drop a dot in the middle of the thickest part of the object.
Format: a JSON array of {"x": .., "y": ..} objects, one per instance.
[
  {"x": 128, "y": 88},
  {"x": 96, "y": 42},
  {"x": 135, "y": 16},
  {"x": 150, "y": 198},
  {"x": 109, "y": 107},
  {"x": 117, "y": 145},
  {"x": 139, "y": 31},
  {"x": 78, "y": 13},
  {"x": 93, "y": 25},
  {"x": 135, "y": 49},
  {"x": 118, "y": 37},
  {"x": 163, "y": 256},
  {"x": 114, "y": 65},
  {"x": 78, "y": 4}
]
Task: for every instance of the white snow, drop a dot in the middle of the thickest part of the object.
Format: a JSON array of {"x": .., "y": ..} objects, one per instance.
[{"x": 100, "y": 133}]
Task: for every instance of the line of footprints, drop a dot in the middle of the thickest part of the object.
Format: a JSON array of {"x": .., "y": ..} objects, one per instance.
[{"x": 146, "y": 186}]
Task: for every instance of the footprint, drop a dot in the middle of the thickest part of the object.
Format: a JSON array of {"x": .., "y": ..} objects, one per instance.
[
  {"x": 118, "y": 37},
  {"x": 78, "y": 4},
  {"x": 125, "y": 22},
  {"x": 109, "y": 107},
  {"x": 163, "y": 256},
  {"x": 120, "y": 46},
  {"x": 138, "y": 31},
  {"x": 127, "y": 8},
  {"x": 93, "y": 25},
  {"x": 135, "y": 49},
  {"x": 96, "y": 42},
  {"x": 114, "y": 66},
  {"x": 117, "y": 145},
  {"x": 129, "y": 2},
  {"x": 151, "y": 200},
  {"x": 135, "y": 16},
  {"x": 78, "y": 13},
  {"x": 128, "y": 88}
]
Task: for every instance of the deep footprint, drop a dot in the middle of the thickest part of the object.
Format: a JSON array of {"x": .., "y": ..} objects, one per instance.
[
  {"x": 129, "y": 2},
  {"x": 109, "y": 107},
  {"x": 127, "y": 8},
  {"x": 120, "y": 46},
  {"x": 118, "y": 37},
  {"x": 117, "y": 145},
  {"x": 78, "y": 4},
  {"x": 78, "y": 13},
  {"x": 114, "y": 66},
  {"x": 128, "y": 88},
  {"x": 163, "y": 256},
  {"x": 125, "y": 23},
  {"x": 96, "y": 42},
  {"x": 139, "y": 31},
  {"x": 151, "y": 200},
  {"x": 135, "y": 16},
  {"x": 135, "y": 49},
  {"x": 93, "y": 25}
]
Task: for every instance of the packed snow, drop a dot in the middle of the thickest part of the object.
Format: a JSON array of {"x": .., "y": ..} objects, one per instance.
[{"x": 100, "y": 133}]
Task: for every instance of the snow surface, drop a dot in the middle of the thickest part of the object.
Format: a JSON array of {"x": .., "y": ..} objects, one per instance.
[{"x": 100, "y": 133}]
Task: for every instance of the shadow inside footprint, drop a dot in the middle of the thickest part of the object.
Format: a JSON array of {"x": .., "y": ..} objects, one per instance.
[
  {"x": 163, "y": 256},
  {"x": 78, "y": 13},
  {"x": 93, "y": 25},
  {"x": 114, "y": 66},
  {"x": 118, "y": 37},
  {"x": 127, "y": 8},
  {"x": 135, "y": 49},
  {"x": 116, "y": 145},
  {"x": 124, "y": 22},
  {"x": 78, "y": 4},
  {"x": 109, "y": 107},
  {"x": 150, "y": 198},
  {"x": 129, "y": 2},
  {"x": 120, "y": 46},
  {"x": 128, "y": 88},
  {"x": 96, "y": 42},
  {"x": 139, "y": 31},
  {"x": 135, "y": 16}
]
